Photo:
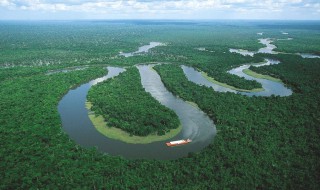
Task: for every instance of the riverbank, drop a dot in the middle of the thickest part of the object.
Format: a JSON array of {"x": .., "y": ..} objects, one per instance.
[
  {"x": 118, "y": 134},
  {"x": 205, "y": 75},
  {"x": 257, "y": 75},
  {"x": 193, "y": 104}
]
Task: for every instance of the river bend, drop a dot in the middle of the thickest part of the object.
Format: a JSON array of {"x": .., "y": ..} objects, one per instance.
[{"x": 196, "y": 124}]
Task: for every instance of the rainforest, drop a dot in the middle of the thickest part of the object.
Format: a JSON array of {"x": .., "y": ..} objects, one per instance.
[{"x": 91, "y": 104}]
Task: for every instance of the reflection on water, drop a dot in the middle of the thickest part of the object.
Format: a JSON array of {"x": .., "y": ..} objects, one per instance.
[
  {"x": 269, "y": 47},
  {"x": 267, "y": 62},
  {"x": 77, "y": 125},
  {"x": 196, "y": 77},
  {"x": 201, "y": 49},
  {"x": 112, "y": 72},
  {"x": 265, "y": 41},
  {"x": 308, "y": 55},
  {"x": 196, "y": 124},
  {"x": 142, "y": 49},
  {"x": 242, "y": 52},
  {"x": 285, "y": 39},
  {"x": 270, "y": 87}
]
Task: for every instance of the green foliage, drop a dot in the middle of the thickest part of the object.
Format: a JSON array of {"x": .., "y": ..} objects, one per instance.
[
  {"x": 217, "y": 66},
  {"x": 292, "y": 67},
  {"x": 125, "y": 104},
  {"x": 261, "y": 142},
  {"x": 14, "y": 72}
]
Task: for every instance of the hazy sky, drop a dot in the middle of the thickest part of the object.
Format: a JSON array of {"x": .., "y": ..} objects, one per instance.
[{"x": 159, "y": 9}]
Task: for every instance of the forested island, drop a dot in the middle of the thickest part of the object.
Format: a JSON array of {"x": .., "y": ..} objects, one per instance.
[
  {"x": 261, "y": 142},
  {"x": 124, "y": 104}
]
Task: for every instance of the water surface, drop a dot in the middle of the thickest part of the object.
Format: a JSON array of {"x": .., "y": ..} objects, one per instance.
[
  {"x": 242, "y": 52},
  {"x": 270, "y": 87},
  {"x": 196, "y": 124},
  {"x": 308, "y": 55},
  {"x": 265, "y": 41},
  {"x": 142, "y": 49},
  {"x": 269, "y": 47}
]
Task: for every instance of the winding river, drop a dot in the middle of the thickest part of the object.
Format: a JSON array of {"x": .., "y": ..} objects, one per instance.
[
  {"x": 265, "y": 41},
  {"x": 196, "y": 124},
  {"x": 270, "y": 87},
  {"x": 142, "y": 49},
  {"x": 308, "y": 55},
  {"x": 269, "y": 49}
]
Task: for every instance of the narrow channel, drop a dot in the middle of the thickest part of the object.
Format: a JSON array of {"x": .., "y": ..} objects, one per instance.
[
  {"x": 142, "y": 49},
  {"x": 270, "y": 87},
  {"x": 269, "y": 49}
]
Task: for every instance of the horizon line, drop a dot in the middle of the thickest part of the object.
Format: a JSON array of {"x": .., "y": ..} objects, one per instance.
[{"x": 158, "y": 19}]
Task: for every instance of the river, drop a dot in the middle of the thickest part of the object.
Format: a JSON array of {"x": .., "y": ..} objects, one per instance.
[
  {"x": 270, "y": 87},
  {"x": 265, "y": 41},
  {"x": 196, "y": 124},
  {"x": 142, "y": 49},
  {"x": 269, "y": 49}
]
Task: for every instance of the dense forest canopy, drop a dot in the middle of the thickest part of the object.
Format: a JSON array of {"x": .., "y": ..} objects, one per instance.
[
  {"x": 262, "y": 142},
  {"x": 124, "y": 104}
]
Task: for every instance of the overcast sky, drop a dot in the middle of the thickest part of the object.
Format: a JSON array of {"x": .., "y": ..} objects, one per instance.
[{"x": 159, "y": 9}]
